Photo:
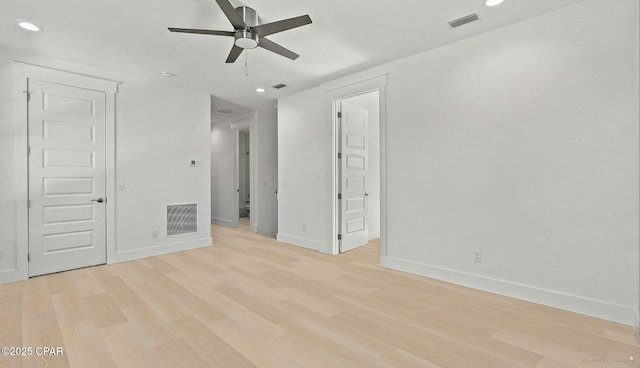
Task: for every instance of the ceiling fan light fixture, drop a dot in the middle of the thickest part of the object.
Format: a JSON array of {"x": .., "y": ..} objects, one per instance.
[
  {"x": 29, "y": 26},
  {"x": 246, "y": 40},
  {"x": 493, "y": 2}
]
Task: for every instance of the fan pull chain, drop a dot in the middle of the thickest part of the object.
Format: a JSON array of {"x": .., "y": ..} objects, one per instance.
[{"x": 246, "y": 64}]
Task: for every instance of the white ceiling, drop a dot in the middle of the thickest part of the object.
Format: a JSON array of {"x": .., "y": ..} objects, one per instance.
[{"x": 131, "y": 37}]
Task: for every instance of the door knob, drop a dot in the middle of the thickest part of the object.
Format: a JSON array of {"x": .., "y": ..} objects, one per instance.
[
  {"x": 99, "y": 200},
  {"x": 366, "y": 194}
]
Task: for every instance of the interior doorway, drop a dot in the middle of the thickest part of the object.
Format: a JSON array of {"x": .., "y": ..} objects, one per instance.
[
  {"x": 244, "y": 175},
  {"x": 357, "y": 169}
]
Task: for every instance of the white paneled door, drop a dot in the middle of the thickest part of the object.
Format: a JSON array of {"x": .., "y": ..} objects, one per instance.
[
  {"x": 353, "y": 169},
  {"x": 67, "y": 211}
]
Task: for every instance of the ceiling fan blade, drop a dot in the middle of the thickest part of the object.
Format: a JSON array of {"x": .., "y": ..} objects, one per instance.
[
  {"x": 274, "y": 47},
  {"x": 202, "y": 31},
  {"x": 281, "y": 25},
  {"x": 232, "y": 14},
  {"x": 233, "y": 55}
]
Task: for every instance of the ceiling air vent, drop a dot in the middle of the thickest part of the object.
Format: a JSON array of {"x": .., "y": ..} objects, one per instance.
[
  {"x": 224, "y": 111},
  {"x": 279, "y": 86},
  {"x": 464, "y": 20}
]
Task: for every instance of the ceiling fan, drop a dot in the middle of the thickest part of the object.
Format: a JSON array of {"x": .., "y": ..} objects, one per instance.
[{"x": 248, "y": 34}]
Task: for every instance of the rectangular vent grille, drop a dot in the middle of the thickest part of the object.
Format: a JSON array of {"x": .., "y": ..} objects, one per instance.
[
  {"x": 279, "y": 86},
  {"x": 182, "y": 219},
  {"x": 464, "y": 20}
]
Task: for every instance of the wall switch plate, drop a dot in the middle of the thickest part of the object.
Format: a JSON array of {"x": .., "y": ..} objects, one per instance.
[
  {"x": 120, "y": 186},
  {"x": 1, "y": 253},
  {"x": 304, "y": 227},
  {"x": 155, "y": 233},
  {"x": 477, "y": 256},
  {"x": 285, "y": 183}
]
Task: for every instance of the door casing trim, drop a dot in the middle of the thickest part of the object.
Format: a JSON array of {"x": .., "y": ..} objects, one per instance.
[{"x": 334, "y": 94}]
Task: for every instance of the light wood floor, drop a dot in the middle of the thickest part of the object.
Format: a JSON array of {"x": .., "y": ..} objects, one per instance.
[{"x": 250, "y": 301}]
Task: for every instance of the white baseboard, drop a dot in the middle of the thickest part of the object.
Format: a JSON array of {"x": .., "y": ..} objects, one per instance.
[
  {"x": 636, "y": 325},
  {"x": 159, "y": 250},
  {"x": 12, "y": 275},
  {"x": 223, "y": 222},
  {"x": 573, "y": 303},
  {"x": 375, "y": 235},
  {"x": 301, "y": 242}
]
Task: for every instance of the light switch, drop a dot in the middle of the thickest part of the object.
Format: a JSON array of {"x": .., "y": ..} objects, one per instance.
[
  {"x": 120, "y": 186},
  {"x": 285, "y": 183}
]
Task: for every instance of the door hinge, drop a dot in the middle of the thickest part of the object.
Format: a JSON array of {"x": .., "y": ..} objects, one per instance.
[
  {"x": 28, "y": 150},
  {"x": 28, "y": 203},
  {"x": 339, "y": 115},
  {"x": 339, "y": 195},
  {"x": 339, "y": 155},
  {"x": 28, "y": 257},
  {"x": 339, "y": 236},
  {"x": 28, "y": 93}
]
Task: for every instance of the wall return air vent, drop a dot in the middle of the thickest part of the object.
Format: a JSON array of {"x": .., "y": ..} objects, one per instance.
[
  {"x": 182, "y": 219},
  {"x": 464, "y": 20}
]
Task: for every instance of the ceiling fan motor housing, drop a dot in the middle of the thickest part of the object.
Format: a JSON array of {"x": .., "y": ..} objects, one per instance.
[
  {"x": 245, "y": 38},
  {"x": 249, "y": 15}
]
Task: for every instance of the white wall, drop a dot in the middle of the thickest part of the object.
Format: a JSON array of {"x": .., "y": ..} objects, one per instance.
[
  {"x": 304, "y": 170},
  {"x": 370, "y": 102},
  {"x": 522, "y": 142},
  {"x": 159, "y": 128},
  {"x": 8, "y": 238},
  {"x": 266, "y": 179}
]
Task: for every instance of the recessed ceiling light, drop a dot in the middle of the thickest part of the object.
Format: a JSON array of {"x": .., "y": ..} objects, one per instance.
[
  {"x": 260, "y": 90},
  {"x": 167, "y": 74},
  {"x": 29, "y": 26},
  {"x": 493, "y": 2}
]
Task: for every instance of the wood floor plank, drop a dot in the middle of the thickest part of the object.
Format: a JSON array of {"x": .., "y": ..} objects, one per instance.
[
  {"x": 178, "y": 354},
  {"x": 254, "y": 347},
  {"x": 11, "y": 328},
  {"x": 42, "y": 330},
  {"x": 84, "y": 346},
  {"x": 153, "y": 331},
  {"x": 127, "y": 349},
  {"x": 162, "y": 304},
  {"x": 69, "y": 307},
  {"x": 209, "y": 345},
  {"x": 86, "y": 282},
  {"x": 103, "y": 310},
  {"x": 35, "y": 296},
  {"x": 251, "y": 301},
  {"x": 120, "y": 292}
]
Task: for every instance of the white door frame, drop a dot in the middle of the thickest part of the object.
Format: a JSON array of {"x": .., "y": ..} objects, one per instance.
[
  {"x": 334, "y": 94},
  {"x": 23, "y": 72}
]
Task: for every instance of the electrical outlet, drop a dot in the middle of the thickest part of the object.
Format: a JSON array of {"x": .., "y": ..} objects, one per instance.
[
  {"x": 155, "y": 233},
  {"x": 477, "y": 256}
]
